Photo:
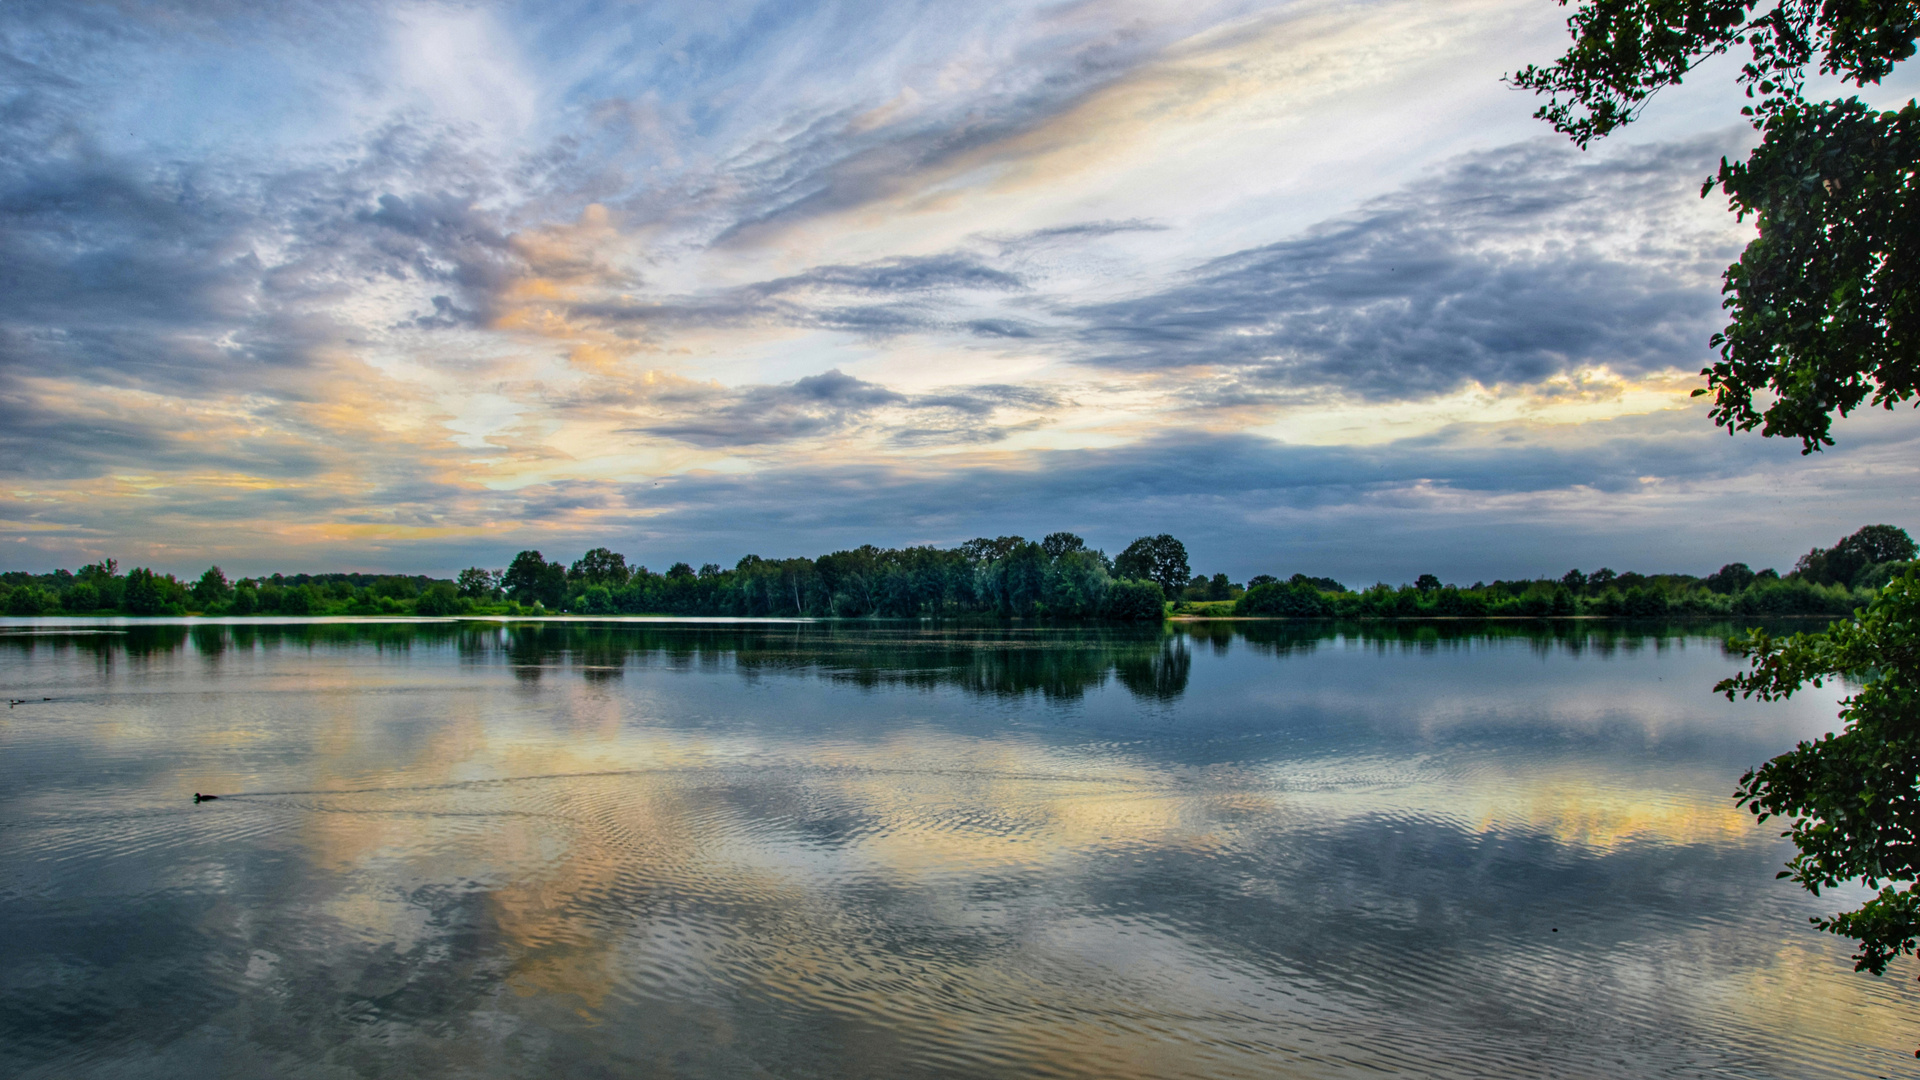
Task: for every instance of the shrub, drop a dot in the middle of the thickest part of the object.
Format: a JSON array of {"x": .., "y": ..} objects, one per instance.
[
  {"x": 1289, "y": 601},
  {"x": 1643, "y": 602},
  {"x": 441, "y": 599},
  {"x": 1136, "y": 601},
  {"x": 30, "y": 600},
  {"x": 246, "y": 601},
  {"x": 299, "y": 600}
]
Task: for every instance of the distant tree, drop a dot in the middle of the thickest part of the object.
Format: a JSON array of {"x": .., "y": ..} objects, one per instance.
[
  {"x": 30, "y": 600},
  {"x": 599, "y": 567},
  {"x": 1075, "y": 585},
  {"x": 679, "y": 571},
  {"x": 1844, "y": 561},
  {"x": 246, "y": 599},
  {"x": 142, "y": 595},
  {"x": 981, "y": 549},
  {"x": 1824, "y": 304},
  {"x": 1160, "y": 559},
  {"x": 1219, "y": 588},
  {"x": 211, "y": 589},
  {"x": 300, "y": 600},
  {"x": 1323, "y": 584},
  {"x": 525, "y": 578},
  {"x": 1563, "y": 603},
  {"x": 1729, "y": 579},
  {"x": 105, "y": 568},
  {"x": 397, "y": 586},
  {"x": 1574, "y": 581},
  {"x": 1880, "y": 543},
  {"x": 83, "y": 596},
  {"x": 1600, "y": 579},
  {"x": 477, "y": 584},
  {"x": 1058, "y": 544},
  {"x": 1426, "y": 583},
  {"x": 1812, "y": 566},
  {"x": 1258, "y": 580},
  {"x": 1286, "y": 599},
  {"x": 441, "y": 599}
]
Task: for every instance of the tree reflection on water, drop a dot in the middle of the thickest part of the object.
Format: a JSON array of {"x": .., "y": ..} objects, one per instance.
[{"x": 1058, "y": 663}]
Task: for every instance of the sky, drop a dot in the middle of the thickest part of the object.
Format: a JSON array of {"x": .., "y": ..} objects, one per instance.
[{"x": 411, "y": 287}]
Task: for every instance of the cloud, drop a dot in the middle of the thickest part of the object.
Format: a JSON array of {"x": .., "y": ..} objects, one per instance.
[
  {"x": 816, "y": 405},
  {"x": 1520, "y": 266},
  {"x": 834, "y": 403},
  {"x": 878, "y": 299},
  {"x": 1074, "y": 233},
  {"x": 1507, "y": 267},
  {"x": 949, "y": 270}
]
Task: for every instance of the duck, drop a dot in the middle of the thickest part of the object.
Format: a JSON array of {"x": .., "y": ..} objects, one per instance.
[{"x": 199, "y": 798}]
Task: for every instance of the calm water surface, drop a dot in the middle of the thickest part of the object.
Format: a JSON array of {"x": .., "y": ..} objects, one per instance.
[{"x": 901, "y": 850}]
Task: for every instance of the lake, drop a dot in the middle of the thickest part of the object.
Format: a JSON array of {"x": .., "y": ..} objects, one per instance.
[{"x": 892, "y": 850}]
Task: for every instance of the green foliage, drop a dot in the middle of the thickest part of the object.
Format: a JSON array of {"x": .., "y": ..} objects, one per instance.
[
  {"x": 1285, "y": 600},
  {"x": 299, "y": 600},
  {"x": 1825, "y": 303},
  {"x": 1729, "y": 579},
  {"x": 980, "y": 549},
  {"x": 1603, "y": 594},
  {"x": 31, "y": 600},
  {"x": 1851, "y": 798},
  {"x": 442, "y": 599},
  {"x": 599, "y": 567},
  {"x": 396, "y": 586},
  {"x": 1160, "y": 559},
  {"x": 1075, "y": 583},
  {"x": 477, "y": 584},
  {"x": 1135, "y": 601},
  {"x": 141, "y": 596},
  {"x": 1059, "y": 578},
  {"x": 1625, "y": 51},
  {"x": 530, "y": 579},
  {"x": 1061, "y": 543},
  {"x": 211, "y": 589},
  {"x": 1854, "y": 558},
  {"x": 148, "y": 593},
  {"x": 1823, "y": 307}
]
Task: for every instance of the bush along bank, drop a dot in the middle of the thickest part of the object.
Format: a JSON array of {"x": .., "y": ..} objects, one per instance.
[{"x": 1548, "y": 599}]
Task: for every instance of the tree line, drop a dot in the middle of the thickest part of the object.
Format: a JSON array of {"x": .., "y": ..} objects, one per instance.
[
  {"x": 1058, "y": 577},
  {"x": 1825, "y": 581}
]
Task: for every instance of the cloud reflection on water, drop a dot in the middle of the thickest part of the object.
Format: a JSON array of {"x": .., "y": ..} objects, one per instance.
[{"x": 901, "y": 850}]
